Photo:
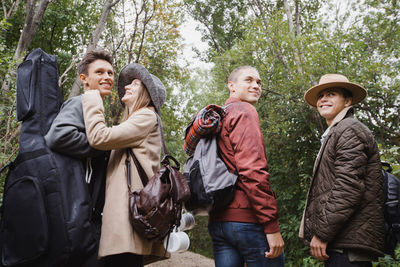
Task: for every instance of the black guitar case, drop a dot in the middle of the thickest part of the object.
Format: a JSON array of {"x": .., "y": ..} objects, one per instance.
[{"x": 45, "y": 216}]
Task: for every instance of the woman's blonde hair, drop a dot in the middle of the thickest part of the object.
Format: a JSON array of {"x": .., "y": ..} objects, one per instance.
[{"x": 143, "y": 100}]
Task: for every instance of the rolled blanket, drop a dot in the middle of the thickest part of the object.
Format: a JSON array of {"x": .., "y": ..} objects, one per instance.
[{"x": 207, "y": 121}]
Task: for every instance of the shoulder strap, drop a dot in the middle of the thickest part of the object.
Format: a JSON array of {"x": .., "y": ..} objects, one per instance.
[
  {"x": 142, "y": 173},
  {"x": 129, "y": 153}
]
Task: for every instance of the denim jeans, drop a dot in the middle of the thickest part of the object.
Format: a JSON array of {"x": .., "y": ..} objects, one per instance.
[{"x": 236, "y": 243}]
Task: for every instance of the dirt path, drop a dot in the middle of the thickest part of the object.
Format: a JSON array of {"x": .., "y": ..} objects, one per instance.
[{"x": 184, "y": 259}]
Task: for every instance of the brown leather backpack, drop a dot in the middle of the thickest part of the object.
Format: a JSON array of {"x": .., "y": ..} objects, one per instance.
[{"x": 156, "y": 209}]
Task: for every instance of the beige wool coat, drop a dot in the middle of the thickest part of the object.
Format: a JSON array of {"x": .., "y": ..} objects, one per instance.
[{"x": 139, "y": 132}]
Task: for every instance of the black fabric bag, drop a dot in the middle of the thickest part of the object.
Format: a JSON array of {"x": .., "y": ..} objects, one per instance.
[
  {"x": 212, "y": 186},
  {"x": 392, "y": 209},
  {"x": 46, "y": 212}
]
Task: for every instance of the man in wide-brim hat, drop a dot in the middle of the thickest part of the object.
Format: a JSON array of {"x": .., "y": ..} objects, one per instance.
[{"x": 343, "y": 220}]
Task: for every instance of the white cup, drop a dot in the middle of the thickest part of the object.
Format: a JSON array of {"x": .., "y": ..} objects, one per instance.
[
  {"x": 178, "y": 242},
  {"x": 187, "y": 221}
]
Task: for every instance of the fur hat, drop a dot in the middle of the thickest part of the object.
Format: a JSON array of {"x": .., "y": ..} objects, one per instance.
[
  {"x": 153, "y": 85},
  {"x": 335, "y": 81}
]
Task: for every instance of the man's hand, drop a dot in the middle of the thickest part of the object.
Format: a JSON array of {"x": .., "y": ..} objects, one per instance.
[
  {"x": 276, "y": 244},
  {"x": 318, "y": 249}
]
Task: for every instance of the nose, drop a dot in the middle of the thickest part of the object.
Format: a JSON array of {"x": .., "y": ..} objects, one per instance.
[
  {"x": 256, "y": 85},
  {"x": 108, "y": 75},
  {"x": 322, "y": 98}
]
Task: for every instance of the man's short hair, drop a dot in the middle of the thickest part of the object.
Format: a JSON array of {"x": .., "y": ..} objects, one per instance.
[
  {"x": 92, "y": 56},
  {"x": 235, "y": 73},
  {"x": 346, "y": 93}
]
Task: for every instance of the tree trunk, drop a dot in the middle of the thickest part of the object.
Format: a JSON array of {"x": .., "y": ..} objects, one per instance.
[
  {"x": 94, "y": 40},
  {"x": 293, "y": 37},
  {"x": 34, "y": 15},
  {"x": 33, "y": 18}
]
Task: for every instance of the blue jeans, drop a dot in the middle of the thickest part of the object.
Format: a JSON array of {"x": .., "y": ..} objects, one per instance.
[{"x": 236, "y": 243}]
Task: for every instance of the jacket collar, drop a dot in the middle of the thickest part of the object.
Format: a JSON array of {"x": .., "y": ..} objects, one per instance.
[
  {"x": 232, "y": 100},
  {"x": 344, "y": 113}
]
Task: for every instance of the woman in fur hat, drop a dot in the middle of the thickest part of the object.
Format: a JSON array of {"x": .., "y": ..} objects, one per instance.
[{"x": 142, "y": 94}]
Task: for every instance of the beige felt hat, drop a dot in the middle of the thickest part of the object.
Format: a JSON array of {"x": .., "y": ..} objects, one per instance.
[{"x": 335, "y": 81}]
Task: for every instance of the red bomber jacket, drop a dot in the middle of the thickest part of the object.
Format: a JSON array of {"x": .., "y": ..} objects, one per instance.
[{"x": 241, "y": 146}]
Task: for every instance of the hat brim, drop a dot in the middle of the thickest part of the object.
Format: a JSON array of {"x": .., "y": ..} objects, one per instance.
[
  {"x": 359, "y": 92},
  {"x": 136, "y": 71}
]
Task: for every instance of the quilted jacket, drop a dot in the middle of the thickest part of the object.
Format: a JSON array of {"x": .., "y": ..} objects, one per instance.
[{"x": 345, "y": 201}]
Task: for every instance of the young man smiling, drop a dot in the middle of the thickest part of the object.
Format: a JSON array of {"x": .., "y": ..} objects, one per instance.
[
  {"x": 67, "y": 135},
  {"x": 343, "y": 220},
  {"x": 247, "y": 231}
]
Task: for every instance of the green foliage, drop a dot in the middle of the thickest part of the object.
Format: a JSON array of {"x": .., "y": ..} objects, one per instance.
[
  {"x": 200, "y": 240},
  {"x": 364, "y": 48}
]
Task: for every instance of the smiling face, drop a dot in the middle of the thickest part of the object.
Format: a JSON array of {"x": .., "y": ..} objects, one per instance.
[
  {"x": 330, "y": 102},
  {"x": 246, "y": 86},
  {"x": 132, "y": 92},
  {"x": 99, "y": 76}
]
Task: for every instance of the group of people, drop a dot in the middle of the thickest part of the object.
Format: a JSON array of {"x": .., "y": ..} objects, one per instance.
[{"x": 343, "y": 217}]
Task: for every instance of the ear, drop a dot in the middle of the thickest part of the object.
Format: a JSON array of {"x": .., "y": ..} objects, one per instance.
[
  {"x": 347, "y": 101},
  {"x": 83, "y": 78},
  {"x": 231, "y": 87}
]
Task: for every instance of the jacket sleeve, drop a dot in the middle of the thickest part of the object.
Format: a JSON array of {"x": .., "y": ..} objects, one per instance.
[
  {"x": 67, "y": 133},
  {"x": 129, "y": 133},
  {"x": 348, "y": 189},
  {"x": 251, "y": 164}
]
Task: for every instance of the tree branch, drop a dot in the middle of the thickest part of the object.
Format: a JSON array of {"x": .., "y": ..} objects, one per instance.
[
  {"x": 378, "y": 122},
  {"x": 94, "y": 40},
  {"x": 292, "y": 35},
  {"x": 73, "y": 64}
]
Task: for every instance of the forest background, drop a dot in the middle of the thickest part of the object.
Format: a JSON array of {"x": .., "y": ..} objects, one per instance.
[{"x": 291, "y": 42}]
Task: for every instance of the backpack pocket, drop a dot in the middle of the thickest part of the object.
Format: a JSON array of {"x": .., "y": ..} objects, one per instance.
[{"x": 24, "y": 222}]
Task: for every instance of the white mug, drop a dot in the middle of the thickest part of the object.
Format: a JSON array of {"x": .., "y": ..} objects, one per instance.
[{"x": 178, "y": 242}]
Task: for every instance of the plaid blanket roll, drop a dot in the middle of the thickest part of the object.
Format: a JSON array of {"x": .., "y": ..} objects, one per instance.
[{"x": 207, "y": 121}]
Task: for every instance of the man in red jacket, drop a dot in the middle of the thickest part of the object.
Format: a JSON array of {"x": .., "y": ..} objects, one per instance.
[{"x": 247, "y": 231}]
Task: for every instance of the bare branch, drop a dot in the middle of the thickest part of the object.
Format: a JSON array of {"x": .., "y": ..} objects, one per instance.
[
  {"x": 292, "y": 35},
  {"x": 61, "y": 80},
  {"x": 275, "y": 47},
  {"x": 378, "y": 121},
  {"x": 94, "y": 40},
  {"x": 202, "y": 19},
  {"x": 147, "y": 19}
]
